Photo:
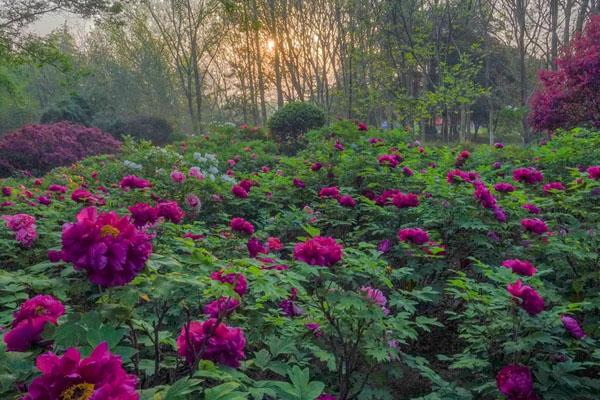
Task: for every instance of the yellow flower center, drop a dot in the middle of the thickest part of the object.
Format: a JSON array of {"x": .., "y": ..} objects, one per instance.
[
  {"x": 39, "y": 310},
  {"x": 81, "y": 391},
  {"x": 109, "y": 230}
]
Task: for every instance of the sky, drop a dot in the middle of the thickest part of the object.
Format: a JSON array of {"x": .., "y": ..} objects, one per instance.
[{"x": 50, "y": 22}]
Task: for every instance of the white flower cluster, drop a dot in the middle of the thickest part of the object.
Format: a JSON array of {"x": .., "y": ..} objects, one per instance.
[
  {"x": 210, "y": 169},
  {"x": 132, "y": 165}
]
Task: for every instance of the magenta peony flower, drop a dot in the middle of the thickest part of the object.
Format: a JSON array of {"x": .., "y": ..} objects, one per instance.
[
  {"x": 326, "y": 396},
  {"x": 520, "y": 267},
  {"x": 212, "y": 340},
  {"x": 376, "y": 296},
  {"x": 338, "y": 145},
  {"x": 404, "y": 200},
  {"x": 462, "y": 157},
  {"x": 288, "y": 306},
  {"x": 390, "y": 160},
  {"x": 594, "y": 172},
  {"x": 407, "y": 171},
  {"x": 239, "y": 192},
  {"x": 134, "y": 182},
  {"x": 241, "y": 225},
  {"x": 573, "y": 327},
  {"x": 499, "y": 145},
  {"x": 6, "y": 191},
  {"x": 516, "y": 383},
  {"x": 45, "y": 200},
  {"x": 29, "y": 322},
  {"x": 384, "y": 246},
  {"x": 347, "y": 201},
  {"x": 316, "y": 166},
  {"x": 553, "y": 186},
  {"x": 484, "y": 196},
  {"x": 298, "y": 183},
  {"x": 236, "y": 280},
  {"x": 177, "y": 176},
  {"x": 504, "y": 187},
  {"x": 57, "y": 188},
  {"x": 534, "y": 225},
  {"x": 108, "y": 247},
  {"x": 319, "y": 250},
  {"x": 255, "y": 247},
  {"x": 457, "y": 176},
  {"x": 527, "y": 175},
  {"x": 413, "y": 235},
  {"x": 143, "y": 214},
  {"x": 170, "y": 211},
  {"x": 531, "y": 301},
  {"x": 193, "y": 201},
  {"x": 374, "y": 140},
  {"x": 247, "y": 184},
  {"x": 531, "y": 208},
  {"x": 362, "y": 126},
  {"x": 386, "y": 196},
  {"x": 23, "y": 225},
  {"x": 99, "y": 377},
  {"x": 221, "y": 308},
  {"x": 329, "y": 192}
]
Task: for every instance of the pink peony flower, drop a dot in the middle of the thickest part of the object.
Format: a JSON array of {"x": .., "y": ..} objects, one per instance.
[
  {"x": 237, "y": 280},
  {"x": 462, "y": 157},
  {"x": 212, "y": 340},
  {"x": 504, "y": 187},
  {"x": 196, "y": 172},
  {"x": 221, "y": 308},
  {"x": 413, "y": 235},
  {"x": 404, "y": 200},
  {"x": 23, "y": 225},
  {"x": 362, "y": 126},
  {"x": 239, "y": 192},
  {"x": 170, "y": 211},
  {"x": 594, "y": 172},
  {"x": 534, "y": 225},
  {"x": 247, "y": 184},
  {"x": 573, "y": 327},
  {"x": 520, "y": 267},
  {"x": 553, "y": 186},
  {"x": 321, "y": 251},
  {"x": 377, "y": 297},
  {"x": 329, "y": 192},
  {"x": 29, "y": 322},
  {"x": 143, "y": 214},
  {"x": 108, "y": 247},
  {"x": 347, "y": 201},
  {"x": 134, "y": 182},
  {"x": 193, "y": 201},
  {"x": 527, "y": 175},
  {"x": 274, "y": 244},
  {"x": 241, "y": 225},
  {"x": 516, "y": 383},
  {"x": 177, "y": 176},
  {"x": 531, "y": 301},
  {"x": 82, "y": 195},
  {"x": 100, "y": 377}
]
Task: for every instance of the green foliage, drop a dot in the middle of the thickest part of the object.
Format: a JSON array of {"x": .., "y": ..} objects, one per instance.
[
  {"x": 157, "y": 130},
  {"x": 73, "y": 109},
  {"x": 291, "y": 122}
]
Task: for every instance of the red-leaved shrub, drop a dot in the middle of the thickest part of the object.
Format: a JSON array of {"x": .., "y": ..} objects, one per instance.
[
  {"x": 39, "y": 148},
  {"x": 570, "y": 96}
]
